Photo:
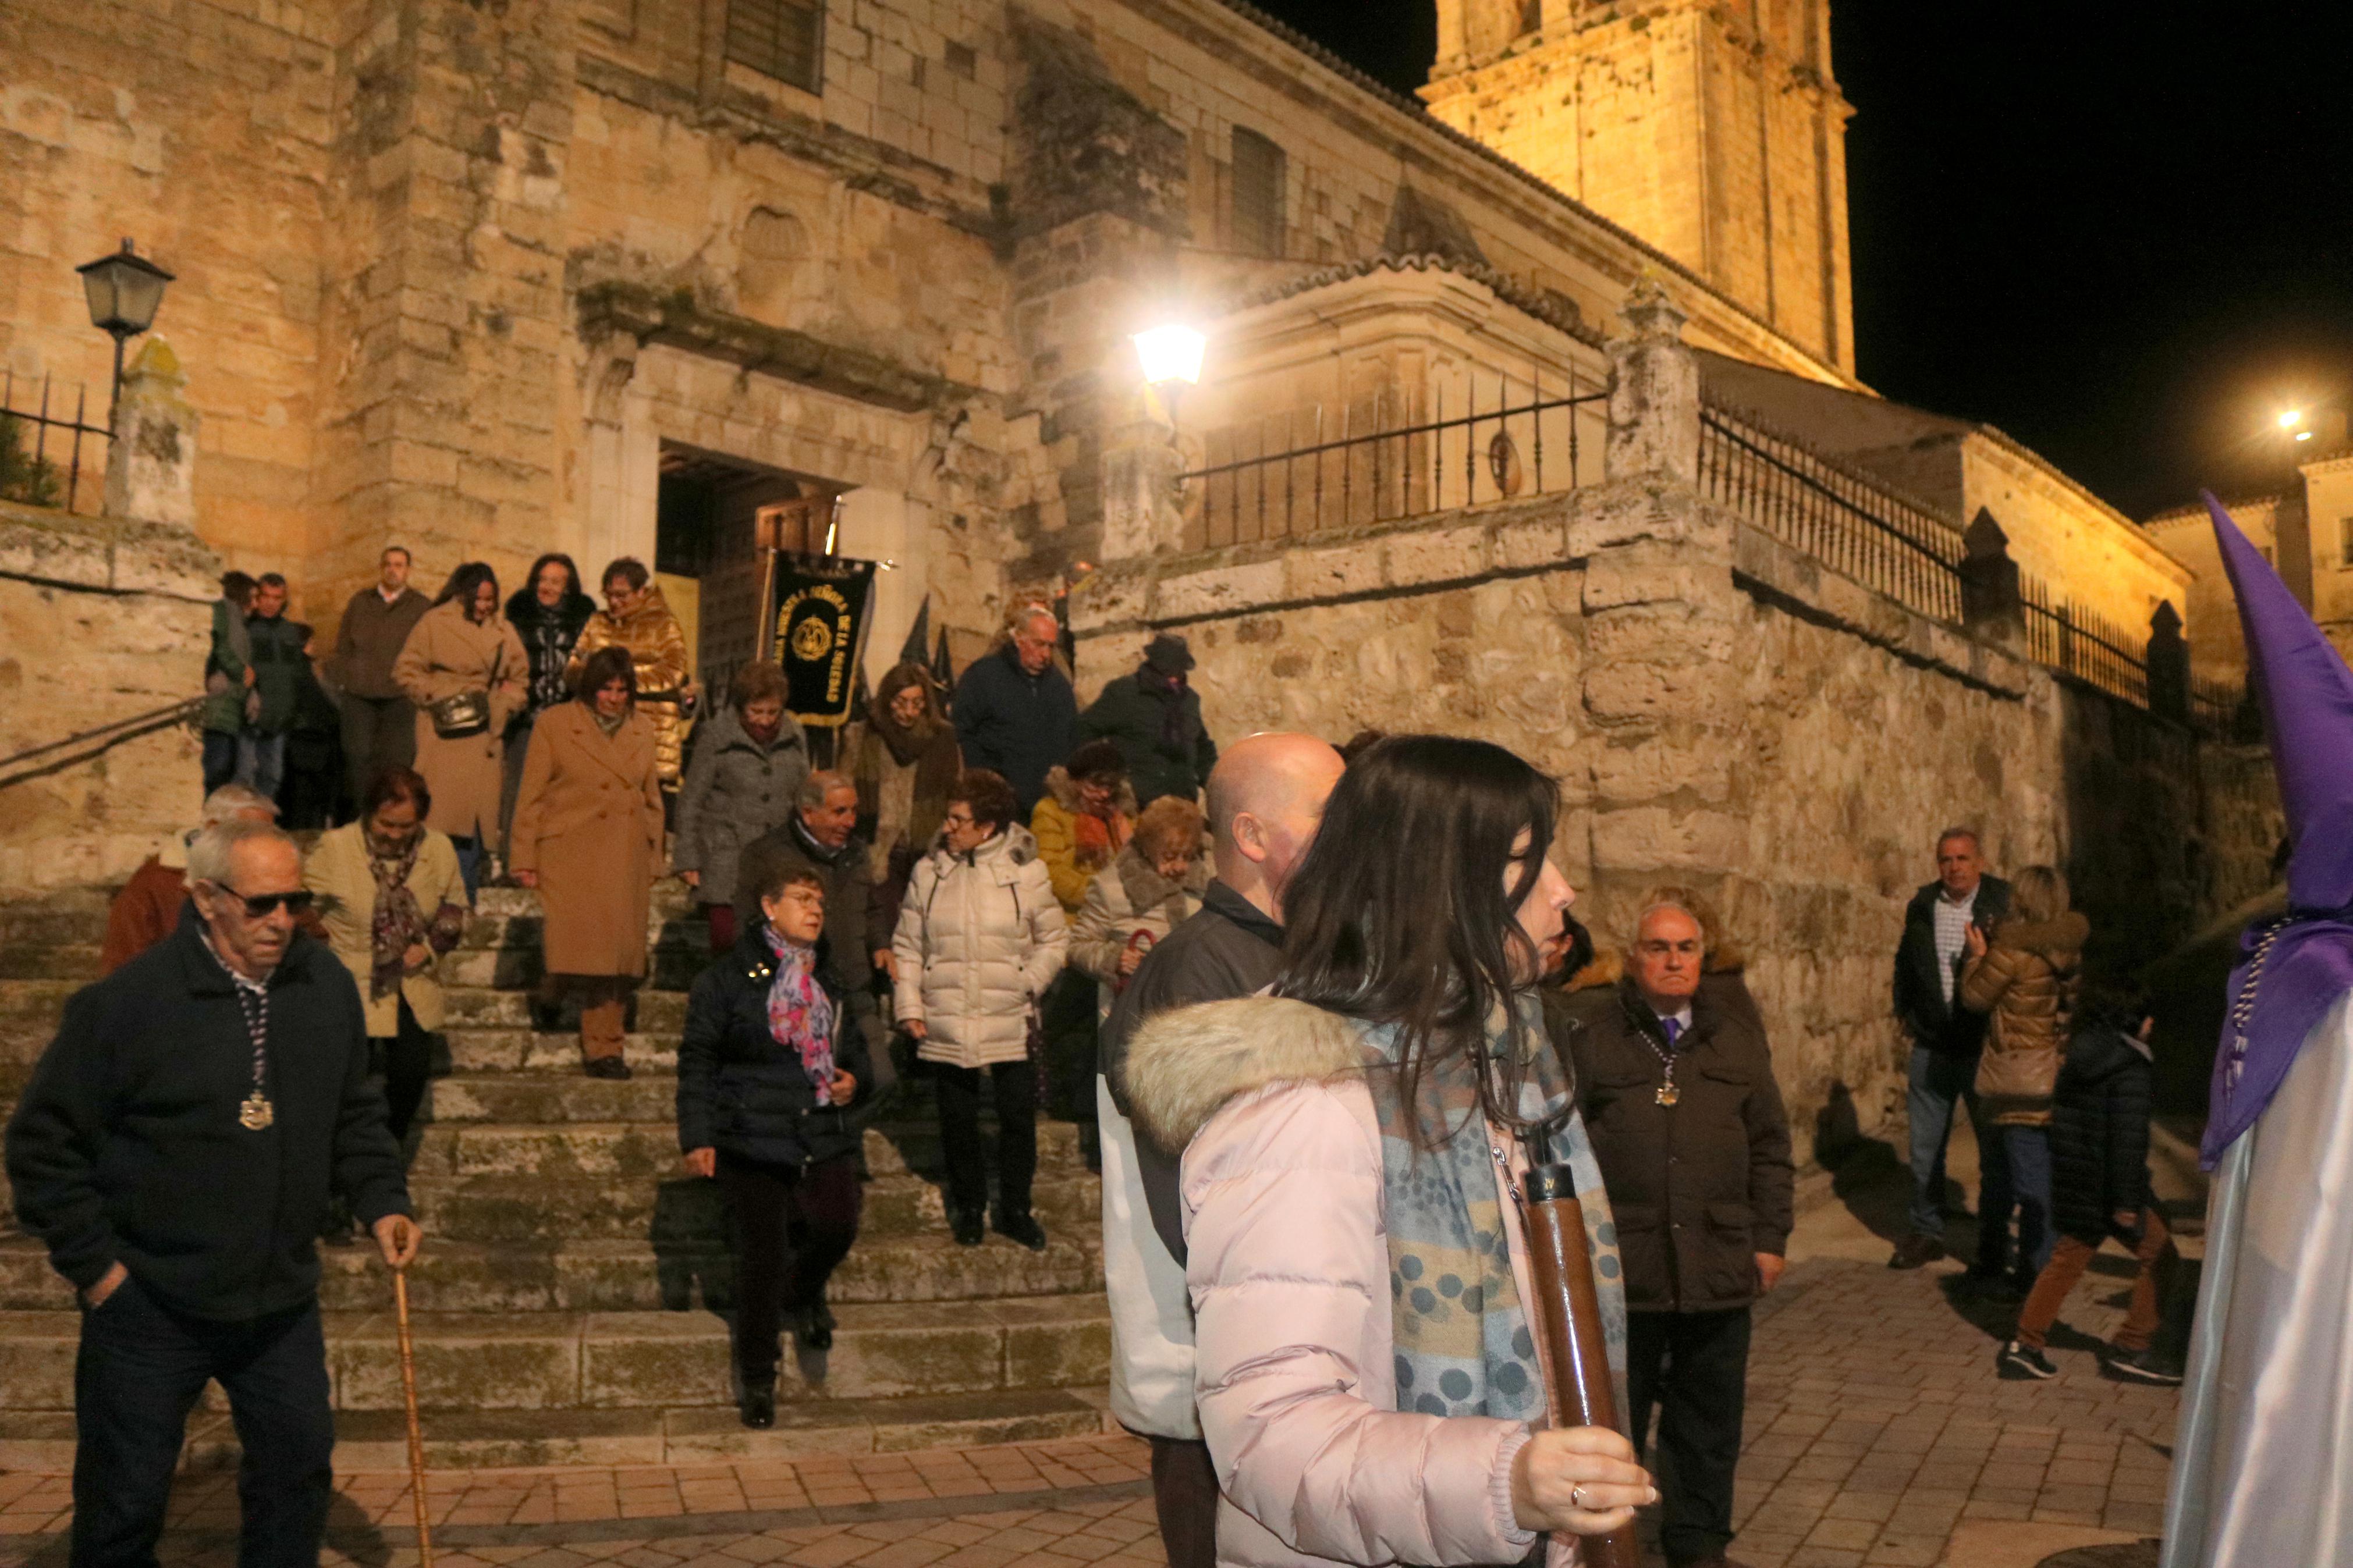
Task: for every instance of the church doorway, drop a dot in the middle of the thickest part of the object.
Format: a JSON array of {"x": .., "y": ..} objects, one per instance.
[{"x": 707, "y": 555}]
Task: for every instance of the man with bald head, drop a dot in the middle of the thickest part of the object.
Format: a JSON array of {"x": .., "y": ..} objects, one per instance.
[{"x": 1266, "y": 799}]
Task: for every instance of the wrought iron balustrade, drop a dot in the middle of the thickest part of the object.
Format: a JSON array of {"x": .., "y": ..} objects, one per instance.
[{"x": 50, "y": 457}]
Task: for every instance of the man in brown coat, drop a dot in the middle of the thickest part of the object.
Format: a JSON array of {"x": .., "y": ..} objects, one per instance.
[
  {"x": 379, "y": 723},
  {"x": 1688, "y": 1127}
]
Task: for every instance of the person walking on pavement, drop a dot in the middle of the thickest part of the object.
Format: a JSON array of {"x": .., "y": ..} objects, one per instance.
[
  {"x": 2100, "y": 1188},
  {"x": 548, "y": 612},
  {"x": 766, "y": 1077},
  {"x": 743, "y": 782},
  {"x": 279, "y": 665},
  {"x": 978, "y": 942},
  {"x": 379, "y": 721},
  {"x": 228, "y": 681},
  {"x": 1153, "y": 717},
  {"x": 1266, "y": 798},
  {"x": 1015, "y": 713},
  {"x": 588, "y": 836},
  {"x": 1687, "y": 1122},
  {"x": 392, "y": 905},
  {"x": 177, "y": 1151},
  {"x": 464, "y": 669},
  {"x": 1945, "y": 1039},
  {"x": 2025, "y": 975},
  {"x": 821, "y": 836}
]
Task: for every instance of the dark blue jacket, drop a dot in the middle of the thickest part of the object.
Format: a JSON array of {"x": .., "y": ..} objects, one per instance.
[
  {"x": 127, "y": 1147},
  {"x": 1014, "y": 723},
  {"x": 1920, "y": 1004},
  {"x": 742, "y": 1093},
  {"x": 2099, "y": 1135}
]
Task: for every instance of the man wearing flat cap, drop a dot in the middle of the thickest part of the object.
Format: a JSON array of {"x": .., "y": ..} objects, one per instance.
[{"x": 1153, "y": 717}]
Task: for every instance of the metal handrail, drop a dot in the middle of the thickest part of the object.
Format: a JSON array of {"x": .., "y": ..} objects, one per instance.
[{"x": 108, "y": 734}]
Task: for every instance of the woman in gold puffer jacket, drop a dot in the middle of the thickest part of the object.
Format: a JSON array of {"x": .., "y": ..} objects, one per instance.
[
  {"x": 638, "y": 618},
  {"x": 2027, "y": 975}
]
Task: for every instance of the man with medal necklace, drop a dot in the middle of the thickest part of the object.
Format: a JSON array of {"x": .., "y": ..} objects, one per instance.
[{"x": 176, "y": 1150}]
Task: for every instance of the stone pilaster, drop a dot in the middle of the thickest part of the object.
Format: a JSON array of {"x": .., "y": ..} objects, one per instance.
[
  {"x": 1139, "y": 513},
  {"x": 1654, "y": 392},
  {"x": 1991, "y": 602},
  {"x": 150, "y": 464},
  {"x": 2168, "y": 665}
]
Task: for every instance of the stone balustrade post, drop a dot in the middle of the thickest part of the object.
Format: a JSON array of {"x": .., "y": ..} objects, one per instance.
[
  {"x": 151, "y": 462},
  {"x": 1142, "y": 514},
  {"x": 2168, "y": 665},
  {"x": 1653, "y": 390},
  {"x": 1991, "y": 604}
]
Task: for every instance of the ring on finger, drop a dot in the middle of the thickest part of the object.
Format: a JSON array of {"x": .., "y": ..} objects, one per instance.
[{"x": 1577, "y": 1496}]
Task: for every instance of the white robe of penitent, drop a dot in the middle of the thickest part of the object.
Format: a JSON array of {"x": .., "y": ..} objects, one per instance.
[{"x": 2263, "y": 1462}]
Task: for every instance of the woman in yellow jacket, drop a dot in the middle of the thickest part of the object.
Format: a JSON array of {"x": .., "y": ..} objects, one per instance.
[
  {"x": 2027, "y": 975},
  {"x": 1081, "y": 823}
]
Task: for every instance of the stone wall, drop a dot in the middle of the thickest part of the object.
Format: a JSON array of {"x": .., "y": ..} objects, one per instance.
[{"x": 99, "y": 623}]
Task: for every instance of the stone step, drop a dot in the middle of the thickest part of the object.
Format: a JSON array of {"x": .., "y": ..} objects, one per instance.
[
  {"x": 42, "y": 1442},
  {"x": 74, "y": 915},
  {"x": 687, "y": 1211},
  {"x": 645, "y": 1360},
  {"x": 504, "y": 1050},
  {"x": 479, "y": 1006},
  {"x": 605, "y": 1150},
  {"x": 631, "y": 1275},
  {"x": 71, "y": 961}
]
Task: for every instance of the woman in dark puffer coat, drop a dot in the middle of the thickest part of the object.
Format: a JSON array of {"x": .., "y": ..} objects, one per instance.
[{"x": 766, "y": 1080}]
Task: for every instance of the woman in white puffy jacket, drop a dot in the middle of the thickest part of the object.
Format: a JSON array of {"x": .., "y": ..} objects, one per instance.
[{"x": 979, "y": 937}]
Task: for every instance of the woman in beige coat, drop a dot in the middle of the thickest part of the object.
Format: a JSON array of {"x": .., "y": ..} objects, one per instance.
[
  {"x": 1150, "y": 888},
  {"x": 463, "y": 647},
  {"x": 588, "y": 834},
  {"x": 392, "y": 903}
]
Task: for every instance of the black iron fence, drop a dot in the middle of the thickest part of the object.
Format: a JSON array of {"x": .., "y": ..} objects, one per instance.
[
  {"x": 1848, "y": 522},
  {"x": 2084, "y": 643},
  {"x": 51, "y": 454},
  {"x": 1389, "y": 455}
]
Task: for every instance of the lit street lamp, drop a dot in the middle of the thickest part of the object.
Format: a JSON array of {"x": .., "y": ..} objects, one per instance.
[
  {"x": 125, "y": 290},
  {"x": 1171, "y": 357}
]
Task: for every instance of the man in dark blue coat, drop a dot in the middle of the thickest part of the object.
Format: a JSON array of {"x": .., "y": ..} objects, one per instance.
[
  {"x": 1015, "y": 712},
  {"x": 177, "y": 1149},
  {"x": 1947, "y": 1038}
]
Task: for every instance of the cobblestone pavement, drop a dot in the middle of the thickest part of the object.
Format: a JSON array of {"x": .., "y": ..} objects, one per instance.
[{"x": 1877, "y": 1434}]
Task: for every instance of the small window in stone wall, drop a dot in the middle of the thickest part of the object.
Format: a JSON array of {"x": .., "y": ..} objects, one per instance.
[
  {"x": 782, "y": 38},
  {"x": 1258, "y": 195}
]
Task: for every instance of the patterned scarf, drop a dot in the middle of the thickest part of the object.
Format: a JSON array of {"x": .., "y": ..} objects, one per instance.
[
  {"x": 800, "y": 1014},
  {"x": 399, "y": 924},
  {"x": 1464, "y": 1343}
]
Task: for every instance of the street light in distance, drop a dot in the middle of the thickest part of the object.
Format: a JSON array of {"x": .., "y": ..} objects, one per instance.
[{"x": 125, "y": 290}]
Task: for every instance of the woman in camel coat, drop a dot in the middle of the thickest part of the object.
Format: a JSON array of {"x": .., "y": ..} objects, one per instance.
[
  {"x": 463, "y": 644},
  {"x": 588, "y": 836}
]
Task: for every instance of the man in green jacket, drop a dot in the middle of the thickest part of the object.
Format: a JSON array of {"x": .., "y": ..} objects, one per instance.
[
  {"x": 228, "y": 679},
  {"x": 275, "y": 646},
  {"x": 1153, "y": 717}
]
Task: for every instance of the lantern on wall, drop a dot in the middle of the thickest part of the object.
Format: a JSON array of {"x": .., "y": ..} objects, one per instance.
[{"x": 125, "y": 290}]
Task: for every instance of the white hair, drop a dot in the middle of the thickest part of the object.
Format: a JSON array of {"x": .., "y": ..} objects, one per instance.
[
  {"x": 1656, "y": 905},
  {"x": 823, "y": 783},
  {"x": 232, "y": 801},
  {"x": 208, "y": 857}
]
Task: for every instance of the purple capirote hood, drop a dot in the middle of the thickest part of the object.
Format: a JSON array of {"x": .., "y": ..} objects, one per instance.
[{"x": 2307, "y": 959}]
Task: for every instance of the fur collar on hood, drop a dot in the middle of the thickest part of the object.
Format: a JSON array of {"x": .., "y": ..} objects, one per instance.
[
  {"x": 1184, "y": 1065},
  {"x": 2060, "y": 938},
  {"x": 1065, "y": 791}
]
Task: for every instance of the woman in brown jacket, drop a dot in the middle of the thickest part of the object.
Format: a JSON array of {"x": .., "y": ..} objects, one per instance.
[
  {"x": 588, "y": 834},
  {"x": 2027, "y": 975},
  {"x": 462, "y": 648}
]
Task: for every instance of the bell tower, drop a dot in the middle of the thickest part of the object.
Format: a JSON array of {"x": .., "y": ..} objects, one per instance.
[{"x": 1714, "y": 131}]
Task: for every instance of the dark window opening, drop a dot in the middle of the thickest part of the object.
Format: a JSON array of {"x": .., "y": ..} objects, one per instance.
[
  {"x": 706, "y": 551},
  {"x": 782, "y": 38},
  {"x": 1257, "y": 194}
]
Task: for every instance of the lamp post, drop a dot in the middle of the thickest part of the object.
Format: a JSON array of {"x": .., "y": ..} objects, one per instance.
[
  {"x": 124, "y": 290},
  {"x": 1171, "y": 357}
]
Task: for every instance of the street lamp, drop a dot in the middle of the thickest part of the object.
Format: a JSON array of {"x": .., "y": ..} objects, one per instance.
[
  {"x": 125, "y": 290},
  {"x": 1171, "y": 355}
]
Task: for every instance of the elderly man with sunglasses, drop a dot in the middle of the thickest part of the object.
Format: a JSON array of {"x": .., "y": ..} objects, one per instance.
[{"x": 175, "y": 1150}]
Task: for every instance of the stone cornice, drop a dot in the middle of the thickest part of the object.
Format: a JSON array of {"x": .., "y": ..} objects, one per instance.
[
  {"x": 105, "y": 555},
  {"x": 676, "y": 319}
]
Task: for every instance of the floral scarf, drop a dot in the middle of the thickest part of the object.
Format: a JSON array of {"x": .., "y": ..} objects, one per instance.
[
  {"x": 1465, "y": 1346},
  {"x": 399, "y": 924},
  {"x": 800, "y": 1014}
]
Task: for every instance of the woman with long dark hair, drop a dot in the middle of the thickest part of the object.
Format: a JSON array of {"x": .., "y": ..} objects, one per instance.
[
  {"x": 465, "y": 670},
  {"x": 1368, "y": 1379},
  {"x": 547, "y": 613}
]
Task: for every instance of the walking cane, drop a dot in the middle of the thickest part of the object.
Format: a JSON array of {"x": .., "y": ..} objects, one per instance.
[
  {"x": 416, "y": 1434},
  {"x": 1567, "y": 1314}
]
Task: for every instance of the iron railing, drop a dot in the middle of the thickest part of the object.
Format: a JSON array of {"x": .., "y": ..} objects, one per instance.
[
  {"x": 1374, "y": 460},
  {"x": 49, "y": 456},
  {"x": 2221, "y": 709},
  {"x": 1847, "y": 522},
  {"x": 2081, "y": 642},
  {"x": 53, "y": 756}
]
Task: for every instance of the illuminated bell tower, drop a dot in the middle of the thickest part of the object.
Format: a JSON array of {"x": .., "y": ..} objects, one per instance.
[{"x": 1714, "y": 131}]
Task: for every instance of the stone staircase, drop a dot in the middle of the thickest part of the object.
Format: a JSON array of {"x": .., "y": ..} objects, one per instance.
[{"x": 567, "y": 1308}]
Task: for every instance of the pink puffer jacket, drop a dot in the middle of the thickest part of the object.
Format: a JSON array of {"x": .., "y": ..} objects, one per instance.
[{"x": 1289, "y": 1273}]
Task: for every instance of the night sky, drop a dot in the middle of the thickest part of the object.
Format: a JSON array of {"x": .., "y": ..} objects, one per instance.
[{"x": 2123, "y": 234}]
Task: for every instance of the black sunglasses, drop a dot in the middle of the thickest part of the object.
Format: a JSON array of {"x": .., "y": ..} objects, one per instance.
[{"x": 262, "y": 907}]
